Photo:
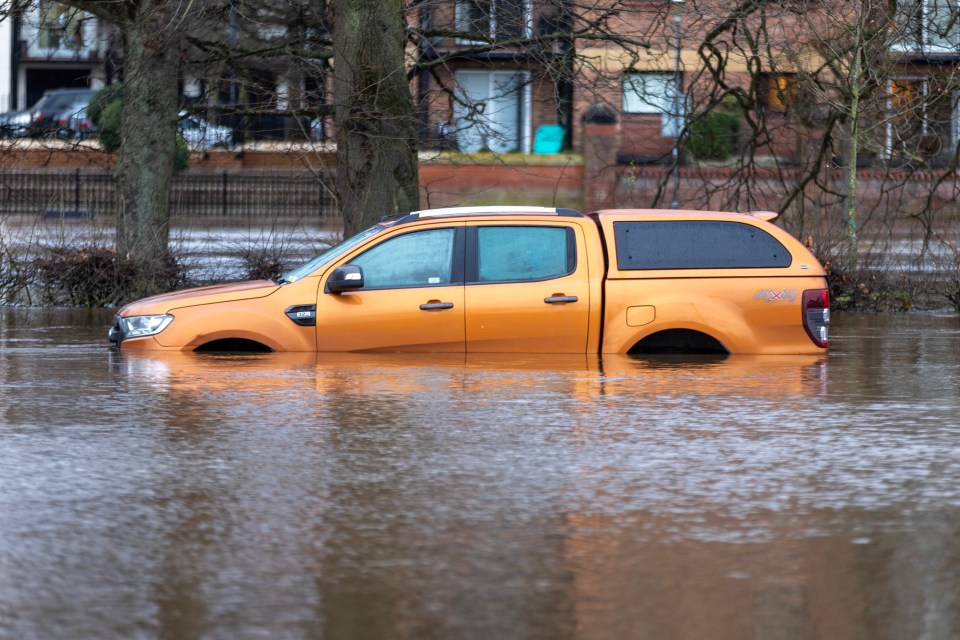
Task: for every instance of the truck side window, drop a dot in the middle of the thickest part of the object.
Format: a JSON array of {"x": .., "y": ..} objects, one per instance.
[
  {"x": 517, "y": 253},
  {"x": 419, "y": 259},
  {"x": 696, "y": 244}
]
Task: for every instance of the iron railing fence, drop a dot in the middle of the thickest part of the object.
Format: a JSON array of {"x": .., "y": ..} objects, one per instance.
[{"x": 195, "y": 194}]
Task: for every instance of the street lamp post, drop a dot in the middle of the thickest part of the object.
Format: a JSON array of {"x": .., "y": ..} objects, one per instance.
[{"x": 677, "y": 7}]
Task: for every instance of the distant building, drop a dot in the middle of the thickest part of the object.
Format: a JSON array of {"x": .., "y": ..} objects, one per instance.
[
  {"x": 485, "y": 94},
  {"x": 49, "y": 46}
]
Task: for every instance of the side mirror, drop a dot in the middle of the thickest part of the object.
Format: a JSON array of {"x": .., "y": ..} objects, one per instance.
[{"x": 345, "y": 278}]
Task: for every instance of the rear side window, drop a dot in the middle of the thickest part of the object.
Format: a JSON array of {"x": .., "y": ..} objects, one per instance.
[
  {"x": 696, "y": 244},
  {"x": 516, "y": 253}
]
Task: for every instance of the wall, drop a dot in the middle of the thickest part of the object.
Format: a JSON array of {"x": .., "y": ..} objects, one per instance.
[{"x": 446, "y": 179}]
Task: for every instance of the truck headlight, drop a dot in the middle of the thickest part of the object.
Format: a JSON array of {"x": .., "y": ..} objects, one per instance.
[{"x": 139, "y": 326}]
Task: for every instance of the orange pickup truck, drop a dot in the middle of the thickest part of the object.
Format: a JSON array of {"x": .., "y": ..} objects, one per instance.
[{"x": 517, "y": 279}]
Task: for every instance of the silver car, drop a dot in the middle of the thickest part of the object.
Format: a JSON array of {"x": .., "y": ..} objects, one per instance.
[{"x": 201, "y": 134}]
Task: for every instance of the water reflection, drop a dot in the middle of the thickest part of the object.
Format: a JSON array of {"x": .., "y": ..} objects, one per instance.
[{"x": 343, "y": 495}]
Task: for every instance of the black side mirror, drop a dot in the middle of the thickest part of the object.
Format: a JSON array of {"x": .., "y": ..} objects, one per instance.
[{"x": 345, "y": 278}]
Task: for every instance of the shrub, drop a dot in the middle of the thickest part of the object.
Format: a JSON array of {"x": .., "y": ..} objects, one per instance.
[
  {"x": 14, "y": 275},
  {"x": 108, "y": 127},
  {"x": 106, "y": 113},
  {"x": 713, "y": 134},
  {"x": 107, "y": 95},
  {"x": 93, "y": 276}
]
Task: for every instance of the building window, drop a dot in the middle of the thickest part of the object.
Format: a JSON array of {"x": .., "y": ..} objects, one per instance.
[
  {"x": 60, "y": 27},
  {"x": 930, "y": 25},
  {"x": 494, "y": 19},
  {"x": 907, "y": 115},
  {"x": 777, "y": 92},
  {"x": 492, "y": 111},
  {"x": 650, "y": 93}
]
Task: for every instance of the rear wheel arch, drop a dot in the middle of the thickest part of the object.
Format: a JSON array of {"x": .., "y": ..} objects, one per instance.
[{"x": 679, "y": 341}]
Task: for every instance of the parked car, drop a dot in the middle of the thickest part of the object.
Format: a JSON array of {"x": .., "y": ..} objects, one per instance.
[
  {"x": 73, "y": 123},
  {"x": 45, "y": 114},
  {"x": 14, "y": 124},
  {"x": 201, "y": 134},
  {"x": 517, "y": 279}
]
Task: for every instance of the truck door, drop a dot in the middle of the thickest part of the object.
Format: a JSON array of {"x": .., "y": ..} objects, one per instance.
[
  {"x": 412, "y": 298},
  {"x": 526, "y": 290}
]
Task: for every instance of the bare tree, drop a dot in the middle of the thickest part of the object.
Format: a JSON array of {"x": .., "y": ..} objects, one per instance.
[
  {"x": 394, "y": 68},
  {"x": 153, "y": 37},
  {"x": 823, "y": 89},
  {"x": 375, "y": 114}
]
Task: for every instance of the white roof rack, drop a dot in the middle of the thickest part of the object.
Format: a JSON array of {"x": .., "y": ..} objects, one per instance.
[{"x": 466, "y": 211}]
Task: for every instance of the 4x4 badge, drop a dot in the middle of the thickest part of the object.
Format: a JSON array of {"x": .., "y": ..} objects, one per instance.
[{"x": 770, "y": 295}]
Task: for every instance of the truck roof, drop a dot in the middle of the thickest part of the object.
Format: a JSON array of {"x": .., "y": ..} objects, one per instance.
[
  {"x": 489, "y": 210},
  {"x": 651, "y": 214},
  {"x": 564, "y": 212}
]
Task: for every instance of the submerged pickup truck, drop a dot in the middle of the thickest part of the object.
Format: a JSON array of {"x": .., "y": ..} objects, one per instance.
[{"x": 517, "y": 279}]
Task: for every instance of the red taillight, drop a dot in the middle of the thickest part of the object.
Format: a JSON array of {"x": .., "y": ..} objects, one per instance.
[{"x": 816, "y": 315}]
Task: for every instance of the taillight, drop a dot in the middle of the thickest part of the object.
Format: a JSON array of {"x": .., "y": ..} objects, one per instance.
[{"x": 816, "y": 315}]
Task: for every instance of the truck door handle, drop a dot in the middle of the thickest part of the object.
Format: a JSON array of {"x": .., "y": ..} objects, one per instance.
[
  {"x": 560, "y": 299},
  {"x": 436, "y": 305}
]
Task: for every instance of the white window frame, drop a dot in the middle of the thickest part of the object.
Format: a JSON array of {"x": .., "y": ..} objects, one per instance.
[
  {"x": 524, "y": 135},
  {"x": 924, "y": 119},
  {"x": 910, "y": 42},
  {"x": 955, "y": 123},
  {"x": 662, "y": 85},
  {"x": 33, "y": 30}
]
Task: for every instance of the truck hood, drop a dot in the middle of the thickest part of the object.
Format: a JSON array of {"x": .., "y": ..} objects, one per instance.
[{"x": 167, "y": 302}]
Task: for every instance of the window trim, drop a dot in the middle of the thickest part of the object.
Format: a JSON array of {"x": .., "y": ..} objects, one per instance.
[
  {"x": 924, "y": 82},
  {"x": 524, "y": 108},
  {"x": 671, "y": 81},
  {"x": 919, "y": 37},
  {"x": 472, "y": 253}
]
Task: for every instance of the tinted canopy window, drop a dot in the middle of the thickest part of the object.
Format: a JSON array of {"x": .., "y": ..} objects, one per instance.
[
  {"x": 511, "y": 254},
  {"x": 696, "y": 244}
]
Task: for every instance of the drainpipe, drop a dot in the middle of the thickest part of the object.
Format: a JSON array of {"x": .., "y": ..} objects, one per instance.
[
  {"x": 423, "y": 80},
  {"x": 568, "y": 48}
]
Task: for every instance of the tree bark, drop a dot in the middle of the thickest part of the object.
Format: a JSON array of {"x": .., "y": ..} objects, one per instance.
[
  {"x": 375, "y": 114},
  {"x": 145, "y": 164},
  {"x": 153, "y": 33},
  {"x": 853, "y": 143}
]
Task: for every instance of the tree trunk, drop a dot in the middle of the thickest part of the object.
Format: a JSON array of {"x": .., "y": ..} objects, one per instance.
[
  {"x": 853, "y": 145},
  {"x": 376, "y": 119},
  {"x": 145, "y": 165}
]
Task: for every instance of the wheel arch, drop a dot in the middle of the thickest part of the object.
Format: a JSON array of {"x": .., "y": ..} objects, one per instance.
[{"x": 679, "y": 341}]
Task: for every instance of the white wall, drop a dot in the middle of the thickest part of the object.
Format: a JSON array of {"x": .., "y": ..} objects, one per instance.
[{"x": 6, "y": 53}]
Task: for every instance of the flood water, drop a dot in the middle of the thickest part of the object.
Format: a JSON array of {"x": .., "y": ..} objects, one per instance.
[{"x": 380, "y": 497}]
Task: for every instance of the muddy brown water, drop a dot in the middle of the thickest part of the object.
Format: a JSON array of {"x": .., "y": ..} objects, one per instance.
[{"x": 349, "y": 496}]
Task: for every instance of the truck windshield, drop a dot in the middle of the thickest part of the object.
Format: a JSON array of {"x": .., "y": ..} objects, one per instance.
[{"x": 333, "y": 252}]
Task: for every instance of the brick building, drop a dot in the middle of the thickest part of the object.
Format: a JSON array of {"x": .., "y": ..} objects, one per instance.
[{"x": 519, "y": 76}]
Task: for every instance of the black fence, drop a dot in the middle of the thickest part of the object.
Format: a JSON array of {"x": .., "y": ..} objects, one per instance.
[{"x": 195, "y": 194}]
